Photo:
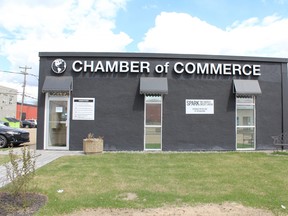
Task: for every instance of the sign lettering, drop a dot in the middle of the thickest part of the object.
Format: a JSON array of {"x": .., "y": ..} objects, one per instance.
[
  {"x": 195, "y": 106},
  {"x": 189, "y": 68}
]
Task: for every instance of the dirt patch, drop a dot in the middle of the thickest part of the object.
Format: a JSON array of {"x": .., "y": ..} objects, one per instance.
[
  {"x": 128, "y": 196},
  {"x": 14, "y": 206},
  {"x": 19, "y": 205},
  {"x": 226, "y": 209}
]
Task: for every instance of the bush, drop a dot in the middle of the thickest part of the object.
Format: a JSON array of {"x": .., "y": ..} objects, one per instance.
[{"x": 20, "y": 170}]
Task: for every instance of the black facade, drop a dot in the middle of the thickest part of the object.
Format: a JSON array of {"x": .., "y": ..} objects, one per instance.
[{"x": 113, "y": 80}]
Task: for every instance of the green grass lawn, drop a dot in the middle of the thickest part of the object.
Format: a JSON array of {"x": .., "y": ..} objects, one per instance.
[{"x": 252, "y": 179}]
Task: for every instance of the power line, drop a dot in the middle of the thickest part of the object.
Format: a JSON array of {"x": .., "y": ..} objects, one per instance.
[
  {"x": 22, "y": 73},
  {"x": 24, "y": 85},
  {"x": 16, "y": 93}
]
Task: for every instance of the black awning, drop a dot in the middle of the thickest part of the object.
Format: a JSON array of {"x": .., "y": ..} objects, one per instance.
[
  {"x": 247, "y": 87},
  {"x": 58, "y": 84},
  {"x": 153, "y": 85}
]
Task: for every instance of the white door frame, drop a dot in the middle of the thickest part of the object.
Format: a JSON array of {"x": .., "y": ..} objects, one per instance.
[{"x": 46, "y": 121}]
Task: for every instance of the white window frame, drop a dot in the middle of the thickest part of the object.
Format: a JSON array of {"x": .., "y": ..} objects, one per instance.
[
  {"x": 153, "y": 126},
  {"x": 250, "y": 126}
]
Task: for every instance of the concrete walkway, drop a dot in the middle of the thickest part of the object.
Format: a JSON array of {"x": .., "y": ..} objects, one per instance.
[{"x": 43, "y": 157}]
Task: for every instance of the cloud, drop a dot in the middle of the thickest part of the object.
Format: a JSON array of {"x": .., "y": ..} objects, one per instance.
[
  {"x": 183, "y": 33},
  {"x": 70, "y": 26},
  {"x": 30, "y": 26},
  {"x": 180, "y": 33}
]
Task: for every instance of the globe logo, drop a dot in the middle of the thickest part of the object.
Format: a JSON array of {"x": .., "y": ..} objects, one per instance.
[{"x": 58, "y": 66}]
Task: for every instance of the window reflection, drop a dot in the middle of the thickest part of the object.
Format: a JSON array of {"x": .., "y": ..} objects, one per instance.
[
  {"x": 245, "y": 138},
  {"x": 245, "y": 115},
  {"x": 153, "y": 114},
  {"x": 153, "y": 138}
]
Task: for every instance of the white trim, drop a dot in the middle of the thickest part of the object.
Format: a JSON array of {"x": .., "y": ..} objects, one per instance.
[
  {"x": 153, "y": 126},
  {"x": 46, "y": 122},
  {"x": 252, "y": 126},
  {"x": 46, "y": 116}
]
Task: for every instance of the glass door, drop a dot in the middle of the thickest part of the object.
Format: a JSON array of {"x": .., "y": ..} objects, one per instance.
[{"x": 57, "y": 123}]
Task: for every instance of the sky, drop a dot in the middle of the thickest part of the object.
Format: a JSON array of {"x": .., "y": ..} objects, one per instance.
[{"x": 213, "y": 27}]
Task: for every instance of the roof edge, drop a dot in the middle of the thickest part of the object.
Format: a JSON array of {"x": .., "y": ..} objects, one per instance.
[{"x": 162, "y": 55}]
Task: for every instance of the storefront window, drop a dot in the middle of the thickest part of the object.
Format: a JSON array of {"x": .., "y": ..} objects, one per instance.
[
  {"x": 245, "y": 124},
  {"x": 153, "y": 123}
]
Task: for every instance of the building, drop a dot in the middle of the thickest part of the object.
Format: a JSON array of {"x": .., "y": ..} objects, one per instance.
[
  {"x": 8, "y": 100},
  {"x": 29, "y": 111},
  {"x": 168, "y": 102}
]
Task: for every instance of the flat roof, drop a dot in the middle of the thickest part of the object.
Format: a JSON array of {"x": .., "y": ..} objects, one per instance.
[{"x": 161, "y": 56}]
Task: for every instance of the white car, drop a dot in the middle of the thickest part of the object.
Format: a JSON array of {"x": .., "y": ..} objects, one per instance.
[
  {"x": 33, "y": 120},
  {"x": 4, "y": 123}
]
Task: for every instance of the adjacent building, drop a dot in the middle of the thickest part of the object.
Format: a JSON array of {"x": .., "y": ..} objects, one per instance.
[
  {"x": 8, "y": 100},
  {"x": 29, "y": 111}
]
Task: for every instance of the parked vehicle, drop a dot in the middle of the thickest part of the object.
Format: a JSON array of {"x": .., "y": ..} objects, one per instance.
[
  {"x": 4, "y": 123},
  {"x": 13, "y": 122},
  {"x": 33, "y": 120},
  {"x": 27, "y": 124},
  {"x": 12, "y": 136}
]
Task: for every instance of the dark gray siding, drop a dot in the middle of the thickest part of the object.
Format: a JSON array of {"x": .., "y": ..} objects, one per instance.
[
  {"x": 199, "y": 132},
  {"x": 119, "y": 112}
]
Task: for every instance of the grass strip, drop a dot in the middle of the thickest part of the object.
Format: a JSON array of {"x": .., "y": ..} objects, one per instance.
[{"x": 158, "y": 179}]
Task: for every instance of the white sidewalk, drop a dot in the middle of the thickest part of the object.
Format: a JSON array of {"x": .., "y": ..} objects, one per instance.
[{"x": 43, "y": 157}]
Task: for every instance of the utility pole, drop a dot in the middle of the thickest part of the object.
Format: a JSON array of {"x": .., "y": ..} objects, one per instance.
[{"x": 24, "y": 86}]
